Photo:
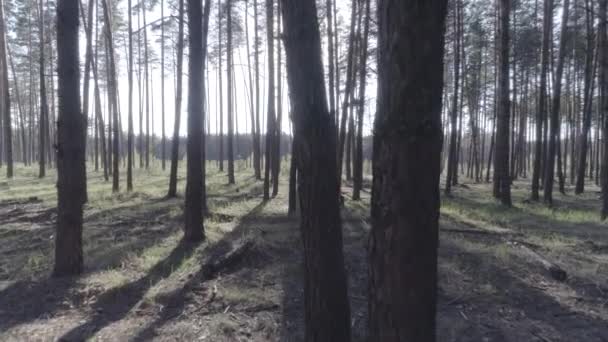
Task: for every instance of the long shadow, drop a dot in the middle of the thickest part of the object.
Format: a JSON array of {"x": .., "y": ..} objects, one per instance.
[
  {"x": 354, "y": 242},
  {"x": 527, "y": 220},
  {"x": 508, "y": 314},
  {"x": 114, "y": 305},
  {"x": 26, "y": 300},
  {"x": 179, "y": 297}
]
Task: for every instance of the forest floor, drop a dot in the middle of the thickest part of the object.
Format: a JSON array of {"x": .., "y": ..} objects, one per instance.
[{"x": 143, "y": 283}]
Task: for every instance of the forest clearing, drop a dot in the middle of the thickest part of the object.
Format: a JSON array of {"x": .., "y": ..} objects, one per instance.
[{"x": 142, "y": 282}]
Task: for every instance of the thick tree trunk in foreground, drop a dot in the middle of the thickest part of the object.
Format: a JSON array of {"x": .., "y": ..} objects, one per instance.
[
  {"x": 193, "y": 214},
  {"x": 407, "y": 150},
  {"x": 71, "y": 186},
  {"x": 327, "y": 312},
  {"x": 502, "y": 179},
  {"x": 178, "y": 104}
]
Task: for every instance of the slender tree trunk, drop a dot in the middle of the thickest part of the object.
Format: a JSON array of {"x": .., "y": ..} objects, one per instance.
[
  {"x": 603, "y": 87},
  {"x": 6, "y": 104},
  {"x": 452, "y": 161},
  {"x": 229, "y": 81},
  {"x": 347, "y": 89},
  {"x": 221, "y": 85},
  {"x": 270, "y": 117},
  {"x": 178, "y": 103},
  {"x": 555, "y": 110},
  {"x": 256, "y": 146},
  {"x": 71, "y": 186},
  {"x": 407, "y": 151},
  {"x": 590, "y": 66},
  {"x": 162, "y": 85},
  {"x": 358, "y": 170},
  {"x": 327, "y": 313},
  {"x": 112, "y": 84},
  {"x": 43, "y": 118},
  {"x": 276, "y": 162},
  {"x": 130, "y": 110},
  {"x": 542, "y": 100}
]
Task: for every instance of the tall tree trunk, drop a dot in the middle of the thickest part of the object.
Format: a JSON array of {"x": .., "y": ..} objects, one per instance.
[
  {"x": 358, "y": 166},
  {"x": 194, "y": 229},
  {"x": 330, "y": 58},
  {"x": 452, "y": 161},
  {"x": 43, "y": 119},
  {"x": 256, "y": 146},
  {"x": 405, "y": 192},
  {"x": 130, "y": 104},
  {"x": 327, "y": 313},
  {"x": 229, "y": 81},
  {"x": 270, "y": 117},
  {"x": 221, "y": 86},
  {"x": 555, "y": 109},
  {"x": 603, "y": 87},
  {"x": 146, "y": 82},
  {"x": 276, "y": 162},
  {"x": 162, "y": 85},
  {"x": 178, "y": 103},
  {"x": 502, "y": 181},
  {"x": 589, "y": 75},
  {"x": 71, "y": 186},
  {"x": 6, "y": 104},
  {"x": 252, "y": 100},
  {"x": 19, "y": 101},
  {"x": 347, "y": 89},
  {"x": 542, "y": 99},
  {"x": 112, "y": 85}
]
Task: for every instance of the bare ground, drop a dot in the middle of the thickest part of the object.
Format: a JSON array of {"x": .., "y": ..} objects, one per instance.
[{"x": 143, "y": 283}]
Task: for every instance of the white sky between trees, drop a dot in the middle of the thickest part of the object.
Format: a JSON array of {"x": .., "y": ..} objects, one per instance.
[{"x": 242, "y": 104}]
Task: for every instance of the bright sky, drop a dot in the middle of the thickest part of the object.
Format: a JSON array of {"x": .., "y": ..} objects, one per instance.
[{"x": 242, "y": 107}]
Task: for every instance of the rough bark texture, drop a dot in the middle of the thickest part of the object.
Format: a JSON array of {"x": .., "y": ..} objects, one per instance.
[
  {"x": 327, "y": 312},
  {"x": 405, "y": 193},
  {"x": 193, "y": 214},
  {"x": 71, "y": 185},
  {"x": 230, "y": 82},
  {"x": 502, "y": 179}
]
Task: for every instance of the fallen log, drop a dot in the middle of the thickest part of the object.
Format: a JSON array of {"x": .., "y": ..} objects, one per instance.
[
  {"x": 218, "y": 262},
  {"x": 554, "y": 270}
]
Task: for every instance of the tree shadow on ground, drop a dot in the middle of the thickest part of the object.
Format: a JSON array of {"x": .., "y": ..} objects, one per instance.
[
  {"x": 105, "y": 246},
  {"x": 502, "y": 305},
  {"x": 114, "y": 304},
  {"x": 355, "y": 258},
  {"x": 176, "y": 301}
]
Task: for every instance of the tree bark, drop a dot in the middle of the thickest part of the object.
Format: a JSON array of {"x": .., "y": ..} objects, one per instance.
[
  {"x": 193, "y": 214},
  {"x": 327, "y": 312},
  {"x": 407, "y": 151},
  {"x": 502, "y": 179},
  {"x": 71, "y": 186}
]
